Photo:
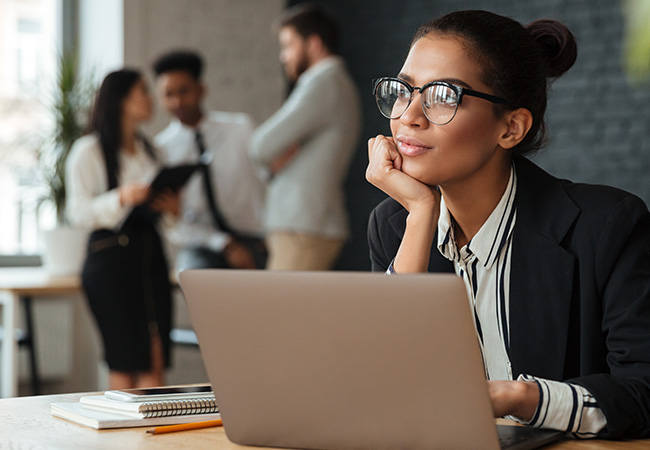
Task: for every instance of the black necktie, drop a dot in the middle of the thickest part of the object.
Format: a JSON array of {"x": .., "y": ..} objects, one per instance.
[{"x": 218, "y": 219}]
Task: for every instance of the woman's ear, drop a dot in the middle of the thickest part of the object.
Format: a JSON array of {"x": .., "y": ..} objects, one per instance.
[{"x": 518, "y": 122}]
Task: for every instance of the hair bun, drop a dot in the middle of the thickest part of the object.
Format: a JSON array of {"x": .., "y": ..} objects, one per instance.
[{"x": 557, "y": 43}]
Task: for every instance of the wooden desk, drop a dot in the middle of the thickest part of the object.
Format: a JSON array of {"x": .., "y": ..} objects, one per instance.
[
  {"x": 22, "y": 284},
  {"x": 27, "y": 423}
]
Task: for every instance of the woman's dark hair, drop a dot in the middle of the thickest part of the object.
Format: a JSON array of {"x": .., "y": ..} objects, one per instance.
[
  {"x": 308, "y": 19},
  {"x": 517, "y": 61},
  {"x": 106, "y": 118}
]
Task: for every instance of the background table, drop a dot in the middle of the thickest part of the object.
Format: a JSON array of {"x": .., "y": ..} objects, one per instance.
[
  {"x": 27, "y": 423},
  {"x": 21, "y": 285}
]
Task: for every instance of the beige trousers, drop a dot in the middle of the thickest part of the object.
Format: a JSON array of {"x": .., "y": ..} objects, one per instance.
[{"x": 295, "y": 251}]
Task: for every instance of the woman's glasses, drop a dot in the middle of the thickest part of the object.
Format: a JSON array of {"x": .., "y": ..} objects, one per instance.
[{"x": 439, "y": 99}]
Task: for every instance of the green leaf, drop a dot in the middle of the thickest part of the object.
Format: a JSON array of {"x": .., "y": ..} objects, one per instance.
[{"x": 69, "y": 103}]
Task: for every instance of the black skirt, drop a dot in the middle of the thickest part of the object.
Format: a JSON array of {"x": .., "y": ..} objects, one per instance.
[{"x": 126, "y": 281}]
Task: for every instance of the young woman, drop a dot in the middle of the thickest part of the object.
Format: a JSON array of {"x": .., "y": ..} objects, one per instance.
[
  {"x": 125, "y": 276},
  {"x": 558, "y": 273}
]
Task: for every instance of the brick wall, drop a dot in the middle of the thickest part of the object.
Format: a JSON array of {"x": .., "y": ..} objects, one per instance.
[{"x": 598, "y": 123}]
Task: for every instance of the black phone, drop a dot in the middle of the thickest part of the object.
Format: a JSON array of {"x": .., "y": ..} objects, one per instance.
[{"x": 161, "y": 393}]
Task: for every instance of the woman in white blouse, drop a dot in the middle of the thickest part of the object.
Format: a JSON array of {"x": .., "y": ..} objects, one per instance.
[{"x": 125, "y": 276}]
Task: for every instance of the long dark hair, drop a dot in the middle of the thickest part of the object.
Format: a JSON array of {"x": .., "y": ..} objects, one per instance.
[
  {"x": 517, "y": 62},
  {"x": 106, "y": 118}
]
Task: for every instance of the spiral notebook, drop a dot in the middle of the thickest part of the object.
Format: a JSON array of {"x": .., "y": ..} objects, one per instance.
[
  {"x": 97, "y": 411},
  {"x": 76, "y": 412},
  {"x": 145, "y": 410}
]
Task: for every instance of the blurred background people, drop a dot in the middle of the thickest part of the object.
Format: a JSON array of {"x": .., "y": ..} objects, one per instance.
[
  {"x": 125, "y": 275},
  {"x": 221, "y": 207},
  {"x": 306, "y": 147}
]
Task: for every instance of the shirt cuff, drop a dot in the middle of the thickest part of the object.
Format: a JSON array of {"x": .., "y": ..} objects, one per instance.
[
  {"x": 566, "y": 407},
  {"x": 109, "y": 210},
  {"x": 217, "y": 242}
]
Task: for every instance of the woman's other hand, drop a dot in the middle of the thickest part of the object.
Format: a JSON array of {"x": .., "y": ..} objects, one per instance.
[
  {"x": 516, "y": 398},
  {"x": 133, "y": 194},
  {"x": 166, "y": 201}
]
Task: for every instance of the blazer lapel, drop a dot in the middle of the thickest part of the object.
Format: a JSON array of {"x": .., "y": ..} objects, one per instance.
[{"x": 542, "y": 273}]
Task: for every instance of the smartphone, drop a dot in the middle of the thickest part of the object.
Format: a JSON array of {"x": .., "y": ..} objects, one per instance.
[{"x": 161, "y": 393}]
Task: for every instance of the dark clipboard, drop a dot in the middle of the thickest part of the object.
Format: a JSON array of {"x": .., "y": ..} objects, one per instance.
[
  {"x": 168, "y": 178},
  {"x": 173, "y": 177}
]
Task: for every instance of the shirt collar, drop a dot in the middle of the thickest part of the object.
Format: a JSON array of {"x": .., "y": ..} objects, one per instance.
[
  {"x": 178, "y": 127},
  {"x": 488, "y": 242}
]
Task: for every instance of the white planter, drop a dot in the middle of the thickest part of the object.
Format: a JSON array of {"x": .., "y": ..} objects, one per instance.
[{"x": 64, "y": 250}]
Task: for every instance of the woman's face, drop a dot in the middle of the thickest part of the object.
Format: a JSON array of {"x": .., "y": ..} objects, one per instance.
[
  {"x": 138, "y": 105},
  {"x": 451, "y": 153}
]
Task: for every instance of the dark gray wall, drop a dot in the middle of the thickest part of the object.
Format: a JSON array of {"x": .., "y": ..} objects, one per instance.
[{"x": 598, "y": 122}]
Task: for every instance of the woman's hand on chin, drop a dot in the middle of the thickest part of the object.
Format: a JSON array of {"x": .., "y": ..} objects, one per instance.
[{"x": 385, "y": 172}]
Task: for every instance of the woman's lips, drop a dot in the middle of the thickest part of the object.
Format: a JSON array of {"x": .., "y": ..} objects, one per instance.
[{"x": 409, "y": 146}]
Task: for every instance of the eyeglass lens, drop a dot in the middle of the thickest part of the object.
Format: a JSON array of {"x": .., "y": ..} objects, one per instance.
[{"x": 439, "y": 101}]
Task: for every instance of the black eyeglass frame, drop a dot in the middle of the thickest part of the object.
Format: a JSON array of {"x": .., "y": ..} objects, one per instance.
[{"x": 459, "y": 90}]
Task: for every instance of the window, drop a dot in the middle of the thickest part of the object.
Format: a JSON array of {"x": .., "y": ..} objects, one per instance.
[{"x": 28, "y": 52}]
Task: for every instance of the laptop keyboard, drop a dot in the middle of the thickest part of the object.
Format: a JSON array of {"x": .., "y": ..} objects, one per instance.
[
  {"x": 522, "y": 438},
  {"x": 511, "y": 440}
]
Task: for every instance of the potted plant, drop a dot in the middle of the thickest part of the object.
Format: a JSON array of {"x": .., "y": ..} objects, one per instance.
[{"x": 68, "y": 104}]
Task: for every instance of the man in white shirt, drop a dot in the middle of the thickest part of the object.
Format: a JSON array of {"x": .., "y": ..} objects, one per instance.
[
  {"x": 306, "y": 147},
  {"x": 221, "y": 207}
]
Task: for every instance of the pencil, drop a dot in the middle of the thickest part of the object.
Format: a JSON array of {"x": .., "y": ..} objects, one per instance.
[{"x": 186, "y": 426}]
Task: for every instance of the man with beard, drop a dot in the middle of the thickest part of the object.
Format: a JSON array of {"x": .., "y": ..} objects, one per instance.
[
  {"x": 306, "y": 147},
  {"x": 221, "y": 206}
]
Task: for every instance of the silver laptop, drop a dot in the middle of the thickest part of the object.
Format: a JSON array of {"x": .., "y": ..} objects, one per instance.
[{"x": 335, "y": 360}]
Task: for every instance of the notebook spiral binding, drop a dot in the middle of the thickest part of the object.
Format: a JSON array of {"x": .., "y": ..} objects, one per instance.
[{"x": 178, "y": 407}]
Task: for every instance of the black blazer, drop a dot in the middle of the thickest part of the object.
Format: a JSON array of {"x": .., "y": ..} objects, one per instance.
[{"x": 579, "y": 289}]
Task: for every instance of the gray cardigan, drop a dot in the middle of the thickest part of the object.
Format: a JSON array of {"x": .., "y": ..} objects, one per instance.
[{"x": 322, "y": 115}]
